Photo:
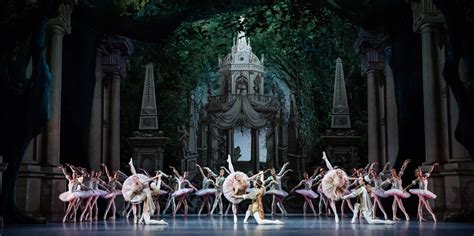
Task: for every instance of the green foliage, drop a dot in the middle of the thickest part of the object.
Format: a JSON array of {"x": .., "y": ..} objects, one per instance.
[{"x": 301, "y": 44}]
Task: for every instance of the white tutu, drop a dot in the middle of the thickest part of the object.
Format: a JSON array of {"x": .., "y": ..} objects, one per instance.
[
  {"x": 127, "y": 190},
  {"x": 158, "y": 192},
  {"x": 66, "y": 196},
  {"x": 235, "y": 183},
  {"x": 307, "y": 193},
  {"x": 112, "y": 194},
  {"x": 334, "y": 186},
  {"x": 206, "y": 191},
  {"x": 397, "y": 192},
  {"x": 424, "y": 193},
  {"x": 99, "y": 192},
  {"x": 182, "y": 192},
  {"x": 84, "y": 194},
  {"x": 277, "y": 193}
]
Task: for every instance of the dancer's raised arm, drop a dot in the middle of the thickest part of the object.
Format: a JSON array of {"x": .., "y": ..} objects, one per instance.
[
  {"x": 68, "y": 177},
  {"x": 404, "y": 166},
  {"x": 210, "y": 171},
  {"x": 107, "y": 172},
  {"x": 328, "y": 164},
  {"x": 283, "y": 168},
  {"x": 254, "y": 177},
  {"x": 200, "y": 171},
  {"x": 162, "y": 173},
  {"x": 316, "y": 172},
  {"x": 431, "y": 170},
  {"x": 286, "y": 172},
  {"x": 144, "y": 172},
  {"x": 175, "y": 172}
]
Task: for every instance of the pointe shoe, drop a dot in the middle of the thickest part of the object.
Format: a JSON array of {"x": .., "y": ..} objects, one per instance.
[
  {"x": 336, "y": 219},
  {"x": 390, "y": 222},
  {"x": 408, "y": 218},
  {"x": 279, "y": 222},
  {"x": 246, "y": 222},
  {"x": 395, "y": 218}
]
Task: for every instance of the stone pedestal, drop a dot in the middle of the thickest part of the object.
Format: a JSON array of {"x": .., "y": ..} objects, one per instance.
[
  {"x": 148, "y": 152},
  {"x": 3, "y": 167}
]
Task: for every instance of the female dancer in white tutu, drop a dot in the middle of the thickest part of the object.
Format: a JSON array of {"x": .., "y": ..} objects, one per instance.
[
  {"x": 377, "y": 192},
  {"x": 307, "y": 193},
  {"x": 334, "y": 185},
  {"x": 234, "y": 185},
  {"x": 364, "y": 204},
  {"x": 219, "y": 181},
  {"x": 256, "y": 208},
  {"x": 182, "y": 191},
  {"x": 397, "y": 191},
  {"x": 206, "y": 190},
  {"x": 112, "y": 192},
  {"x": 422, "y": 192},
  {"x": 277, "y": 192},
  {"x": 70, "y": 196}
]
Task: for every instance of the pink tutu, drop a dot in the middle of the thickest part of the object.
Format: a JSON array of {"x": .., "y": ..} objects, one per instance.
[
  {"x": 182, "y": 192},
  {"x": 277, "y": 193},
  {"x": 424, "y": 193},
  {"x": 84, "y": 194},
  {"x": 112, "y": 194},
  {"x": 307, "y": 193},
  {"x": 127, "y": 190},
  {"x": 334, "y": 186},
  {"x": 66, "y": 196},
  {"x": 235, "y": 183},
  {"x": 207, "y": 191},
  {"x": 379, "y": 193},
  {"x": 397, "y": 192}
]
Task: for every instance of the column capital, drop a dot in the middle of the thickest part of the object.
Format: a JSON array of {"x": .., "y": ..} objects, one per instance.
[
  {"x": 117, "y": 49},
  {"x": 425, "y": 13},
  {"x": 62, "y": 21},
  {"x": 370, "y": 47}
]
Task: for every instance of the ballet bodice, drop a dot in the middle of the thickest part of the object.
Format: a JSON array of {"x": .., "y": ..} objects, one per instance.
[
  {"x": 182, "y": 182},
  {"x": 276, "y": 184},
  {"x": 397, "y": 183},
  {"x": 220, "y": 181},
  {"x": 423, "y": 184},
  {"x": 308, "y": 184},
  {"x": 206, "y": 182},
  {"x": 377, "y": 181}
]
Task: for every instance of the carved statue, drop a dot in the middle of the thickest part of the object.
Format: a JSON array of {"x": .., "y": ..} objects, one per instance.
[
  {"x": 183, "y": 139},
  {"x": 237, "y": 154}
]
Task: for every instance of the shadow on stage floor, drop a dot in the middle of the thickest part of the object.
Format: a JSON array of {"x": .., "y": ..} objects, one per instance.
[{"x": 223, "y": 226}]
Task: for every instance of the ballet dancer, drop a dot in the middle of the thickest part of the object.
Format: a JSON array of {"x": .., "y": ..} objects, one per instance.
[
  {"x": 334, "y": 185},
  {"x": 364, "y": 204},
  {"x": 173, "y": 182},
  {"x": 206, "y": 191},
  {"x": 422, "y": 192},
  {"x": 157, "y": 189},
  {"x": 276, "y": 190},
  {"x": 182, "y": 192},
  {"x": 307, "y": 193},
  {"x": 219, "y": 181},
  {"x": 397, "y": 190},
  {"x": 70, "y": 196},
  {"x": 377, "y": 192},
  {"x": 112, "y": 192},
  {"x": 256, "y": 207}
]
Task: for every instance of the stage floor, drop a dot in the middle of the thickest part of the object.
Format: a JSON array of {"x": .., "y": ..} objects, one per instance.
[{"x": 223, "y": 226}]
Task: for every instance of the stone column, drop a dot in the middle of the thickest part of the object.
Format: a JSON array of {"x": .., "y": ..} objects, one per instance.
[
  {"x": 429, "y": 22},
  {"x": 52, "y": 183},
  {"x": 369, "y": 47},
  {"x": 114, "y": 67},
  {"x": 57, "y": 28},
  {"x": 95, "y": 128}
]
